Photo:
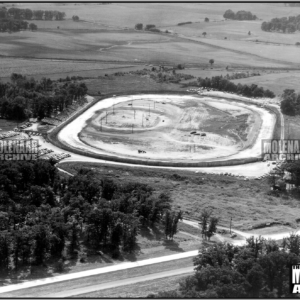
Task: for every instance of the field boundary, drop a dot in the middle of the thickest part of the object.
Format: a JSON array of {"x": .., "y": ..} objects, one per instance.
[{"x": 52, "y": 136}]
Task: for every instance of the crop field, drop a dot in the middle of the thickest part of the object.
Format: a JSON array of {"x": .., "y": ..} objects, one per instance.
[
  {"x": 106, "y": 33},
  {"x": 53, "y": 69},
  {"x": 277, "y": 82},
  {"x": 122, "y": 14}
]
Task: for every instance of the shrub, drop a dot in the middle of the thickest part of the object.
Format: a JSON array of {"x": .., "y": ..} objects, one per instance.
[
  {"x": 115, "y": 254},
  {"x": 60, "y": 266},
  {"x": 83, "y": 257},
  {"x": 154, "y": 30},
  {"x": 149, "y": 26}
]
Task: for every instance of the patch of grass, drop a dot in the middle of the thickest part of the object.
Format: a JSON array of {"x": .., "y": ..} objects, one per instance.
[
  {"x": 139, "y": 290},
  {"x": 130, "y": 83},
  {"x": 7, "y": 125}
]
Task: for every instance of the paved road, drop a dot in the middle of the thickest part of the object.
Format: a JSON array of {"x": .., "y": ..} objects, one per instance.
[
  {"x": 117, "y": 267},
  {"x": 117, "y": 283}
]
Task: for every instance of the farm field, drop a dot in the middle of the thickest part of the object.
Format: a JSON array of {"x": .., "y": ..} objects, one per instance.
[
  {"x": 58, "y": 69},
  {"x": 161, "y": 14},
  {"x": 97, "y": 38},
  {"x": 277, "y": 82}
]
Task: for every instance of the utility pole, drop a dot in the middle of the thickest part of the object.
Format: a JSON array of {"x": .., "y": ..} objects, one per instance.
[
  {"x": 101, "y": 124},
  {"x": 134, "y": 113},
  {"x": 132, "y": 128},
  {"x": 106, "y": 118},
  {"x": 154, "y": 104},
  {"x": 230, "y": 224},
  {"x": 143, "y": 120},
  {"x": 113, "y": 109},
  {"x": 149, "y": 109}
]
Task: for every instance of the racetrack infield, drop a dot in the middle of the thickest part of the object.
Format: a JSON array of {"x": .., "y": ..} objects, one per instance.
[{"x": 171, "y": 119}]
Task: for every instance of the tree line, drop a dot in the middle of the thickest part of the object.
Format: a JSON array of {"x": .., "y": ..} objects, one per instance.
[
  {"x": 240, "y": 15},
  {"x": 285, "y": 24},
  {"x": 44, "y": 216},
  {"x": 290, "y": 104},
  {"x": 148, "y": 27},
  {"x": 222, "y": 84},
  {"x": 28, "y": 14},
  {"x": 23, "y": 98},
  {"x": 260, "y": 269},
  {"x": 15, "y": 19}
]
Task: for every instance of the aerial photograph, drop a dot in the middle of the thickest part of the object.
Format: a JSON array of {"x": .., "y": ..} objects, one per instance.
[{"x": 150, "y": 150}]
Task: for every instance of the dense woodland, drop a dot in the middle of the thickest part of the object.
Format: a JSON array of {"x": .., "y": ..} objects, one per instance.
[
  {"x": 15, "y": 19},
  {"x": 44, "y": 216},
  {"x": 222, "y": 84},
  {"x": 260, "y": 269},
  {"x": 240, "y": 15},
  {"x": 285, "y": 24},
  {"x": 290, "y": 104},
  {"x": 24, "y": 98}
]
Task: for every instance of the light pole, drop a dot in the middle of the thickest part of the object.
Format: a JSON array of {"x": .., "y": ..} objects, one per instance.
[
  {"x": 106, "y": 118},
  {"x": 134, "y": 113},
  {"x": 230, "y": 224}
]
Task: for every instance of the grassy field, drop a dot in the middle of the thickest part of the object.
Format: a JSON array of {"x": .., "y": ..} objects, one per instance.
[
  {"x": 292, "y": 127},
  {"x": 7, "y": 125},
  {"x": 102, "y": 35},
  {"x": 274, "y": 81},
  {"x": 131, "y": 83},
  {"x": 139, "y": 290},
  {"x": 161, "y": 14},
  {"x": 247, "y": 202},
  {"x": 55, "y": 70}
]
